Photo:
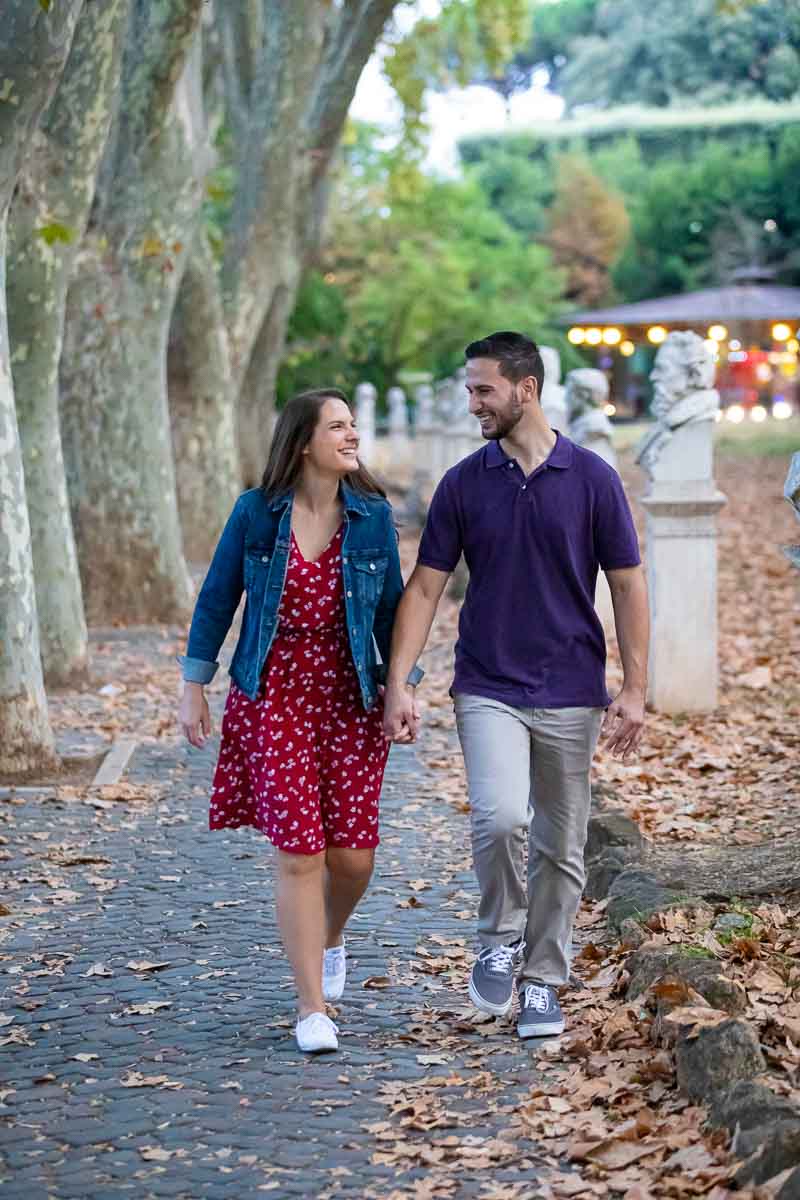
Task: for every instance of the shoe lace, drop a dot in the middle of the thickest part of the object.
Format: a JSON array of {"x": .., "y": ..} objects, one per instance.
[
  {"x": 498, "y": 958},
  {"x": 333, "y": 960},
  {"x": 536, "y": 997}
]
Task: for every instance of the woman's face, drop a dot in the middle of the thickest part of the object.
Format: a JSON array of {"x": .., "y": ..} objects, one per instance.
[{"x": 333, "y": 448}]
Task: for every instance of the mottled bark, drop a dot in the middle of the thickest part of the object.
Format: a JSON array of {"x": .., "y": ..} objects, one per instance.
[
  {"x": 48, "y": 215},
  {"x": 255, "y": 415},
  {"x": 115, "y": 418},
  {"x": 296, "y": 100},
  {"x": 34, "y": 46},
  {"x": 273, "y": 172},
  {"x": 202, "y": 408}
]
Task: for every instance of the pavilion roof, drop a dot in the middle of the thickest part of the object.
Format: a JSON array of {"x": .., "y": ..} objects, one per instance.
[{"x": 739, "y": 302}]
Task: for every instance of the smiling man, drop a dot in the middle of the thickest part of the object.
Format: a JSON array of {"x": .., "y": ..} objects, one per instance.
[{"x": 535, "y": 517}]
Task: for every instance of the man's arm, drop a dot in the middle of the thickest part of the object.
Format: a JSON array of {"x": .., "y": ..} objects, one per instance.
[
  {"x": 624, "y": 720},
  {"x": 412, "y": 624}
]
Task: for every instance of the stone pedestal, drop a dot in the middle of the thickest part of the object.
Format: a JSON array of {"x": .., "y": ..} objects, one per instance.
[{"x": 682, "y": 505}]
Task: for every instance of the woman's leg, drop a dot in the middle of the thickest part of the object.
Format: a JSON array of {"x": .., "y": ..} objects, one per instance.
[
  {"x": 346, "y": 878},
  {"x": 301, "y": 920}
]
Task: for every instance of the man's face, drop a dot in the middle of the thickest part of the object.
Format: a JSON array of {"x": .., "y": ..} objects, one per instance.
[{"x": 493, "y": 399}]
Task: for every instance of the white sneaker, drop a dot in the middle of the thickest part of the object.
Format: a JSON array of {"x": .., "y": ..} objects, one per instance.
[
  {"x": 334, "y": 972},
  {"x": 316, "y": 1033}
]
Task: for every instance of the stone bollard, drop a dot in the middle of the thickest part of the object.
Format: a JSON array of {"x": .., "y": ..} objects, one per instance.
[
  {"x": 424, "y": 434},
  {"x": 682, "y": 503},
  {"x": 791, "y": 491},
  {"x": 366, "y": 395},
  {"x": 554, "y": 404}
]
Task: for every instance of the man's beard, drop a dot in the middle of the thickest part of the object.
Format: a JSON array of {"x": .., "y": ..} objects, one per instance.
[{"x": 505, "y": 423}]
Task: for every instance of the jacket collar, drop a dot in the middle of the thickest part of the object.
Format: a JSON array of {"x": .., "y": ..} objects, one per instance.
[{"x": 352, "y": 501}]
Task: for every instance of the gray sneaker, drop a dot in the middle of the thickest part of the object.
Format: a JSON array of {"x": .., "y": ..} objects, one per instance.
[
  {"x": 540, "y": 1013},
  {"x": 491, "y": 984}
]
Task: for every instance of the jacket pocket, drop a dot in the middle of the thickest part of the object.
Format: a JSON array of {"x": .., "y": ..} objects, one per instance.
[{"x": 368, "y": 576}]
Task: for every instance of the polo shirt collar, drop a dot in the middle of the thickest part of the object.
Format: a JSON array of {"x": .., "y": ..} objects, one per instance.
[{"x": 560, "y": 456}]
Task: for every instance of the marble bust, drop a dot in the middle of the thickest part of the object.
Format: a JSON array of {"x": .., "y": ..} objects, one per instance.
[
  {"x": 586, "y": 397},
  {"x": 683, "y": 392}
]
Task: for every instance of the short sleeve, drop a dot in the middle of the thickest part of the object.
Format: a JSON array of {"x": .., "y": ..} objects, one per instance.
[
  {"x": 442, "y": 541},
  {"x": 615, "y": 541}
]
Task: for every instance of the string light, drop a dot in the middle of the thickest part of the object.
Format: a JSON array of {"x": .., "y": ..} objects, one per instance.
[
  {"x": 781, "y": 332},
  {"x": 594, "y": 337},
  {"x": 576, "y": 335},
  {"x": 656, "y": 334},
  {"x": 627, "y": 348},
  {"x": 717, "y": 332},
  {"x": 612, "y": 336}
]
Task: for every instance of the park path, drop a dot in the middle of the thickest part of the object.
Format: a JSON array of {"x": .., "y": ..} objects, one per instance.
[{"x": 181, "y": 1079}]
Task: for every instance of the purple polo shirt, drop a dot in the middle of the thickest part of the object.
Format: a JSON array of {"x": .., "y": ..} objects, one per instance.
[{"x": 528, "y": 632}]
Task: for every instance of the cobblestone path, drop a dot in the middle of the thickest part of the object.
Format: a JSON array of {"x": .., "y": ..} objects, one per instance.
[{"x": 183, "y": 1079}]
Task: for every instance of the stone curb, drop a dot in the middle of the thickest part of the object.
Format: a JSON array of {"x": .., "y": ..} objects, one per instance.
[{"x": 716, "y": 1051}]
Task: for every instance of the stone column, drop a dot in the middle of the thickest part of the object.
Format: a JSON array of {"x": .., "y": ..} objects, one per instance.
[
  {"x": 424, "y": 433},
  {"x": 682, "y": 502},
  {"x": 398, "y": 428},
  {"x": 366, "y": 395}
]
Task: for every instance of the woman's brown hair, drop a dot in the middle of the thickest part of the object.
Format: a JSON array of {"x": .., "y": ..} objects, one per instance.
[{"x": 294, "y": 429}]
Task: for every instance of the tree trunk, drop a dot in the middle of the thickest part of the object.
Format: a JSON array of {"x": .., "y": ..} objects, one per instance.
[
  {"x": 306, "y": 71},
  {"x": 202, "y": 409},
  {"x": 48, "y": 215},
  {"x": 34, "y": 46},
  {"x": 115, "y": 417},
  {"x": 255, "y": 410}
]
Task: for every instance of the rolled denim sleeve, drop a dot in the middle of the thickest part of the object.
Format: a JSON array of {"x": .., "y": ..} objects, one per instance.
[{"x": 217, "y": 602}]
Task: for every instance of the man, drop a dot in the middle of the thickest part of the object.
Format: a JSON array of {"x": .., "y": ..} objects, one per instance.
[{"x": 535, "y": 517}]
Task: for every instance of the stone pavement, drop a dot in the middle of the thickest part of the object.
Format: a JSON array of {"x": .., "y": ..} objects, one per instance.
[{"x": 184, "y": 1081}]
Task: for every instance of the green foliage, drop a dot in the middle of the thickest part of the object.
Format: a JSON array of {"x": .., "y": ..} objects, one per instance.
[
  {"x": 657, "y": 52},
  {"x": 468, "y": 39},
  {"x": 55, "y": 232},
  {"x": 411, "y": 274},
  {"x": 701, "y": 198}
]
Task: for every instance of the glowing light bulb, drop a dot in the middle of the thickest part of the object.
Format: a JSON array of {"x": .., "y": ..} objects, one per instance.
[
  {"x": 594, "y": 337},
  {"x": 656, "y": 334},
  {"x": 781, "y": 332},
  {"x": 717, "y": 332},
  {"x": 576, "y": 335},
  {"x": 612, "y": 336},
  {"x": 627, "y": 348}
]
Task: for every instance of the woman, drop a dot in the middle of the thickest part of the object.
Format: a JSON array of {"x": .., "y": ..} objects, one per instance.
[{"x": 303, "y": 754}]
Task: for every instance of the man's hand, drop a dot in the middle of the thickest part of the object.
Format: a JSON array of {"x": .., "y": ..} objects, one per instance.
[
  {"x": 401, "y": 716},
  {"x": 624, "y": 723},
  {"x": 193, "y": 714}
]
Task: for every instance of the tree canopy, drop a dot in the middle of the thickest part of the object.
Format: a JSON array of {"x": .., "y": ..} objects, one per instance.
[{"x": 601, "y": 53}]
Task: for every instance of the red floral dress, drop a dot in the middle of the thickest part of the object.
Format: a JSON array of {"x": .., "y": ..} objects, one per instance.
[{"x": 304, "y": 762}]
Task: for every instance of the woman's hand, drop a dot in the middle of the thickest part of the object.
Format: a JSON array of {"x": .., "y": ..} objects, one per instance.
[
  {"x": 401, "y": 717},
  {"x": 193, "y": 714}
]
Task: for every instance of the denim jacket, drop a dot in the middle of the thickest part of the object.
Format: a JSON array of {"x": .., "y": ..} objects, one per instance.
[{"x": 253, "y": 555}]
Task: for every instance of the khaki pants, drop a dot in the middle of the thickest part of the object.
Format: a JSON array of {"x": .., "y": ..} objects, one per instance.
[{"x": 528, "y": 778}]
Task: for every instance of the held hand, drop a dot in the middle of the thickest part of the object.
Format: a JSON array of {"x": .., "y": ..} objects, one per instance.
[
  {"x": 193, "y": 714},
  {"x": 401, "y": 716},
  {"x": 623, "y": 724}
]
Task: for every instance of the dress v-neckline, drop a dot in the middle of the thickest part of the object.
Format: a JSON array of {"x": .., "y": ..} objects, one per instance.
[{"x": 313, "y": 561}]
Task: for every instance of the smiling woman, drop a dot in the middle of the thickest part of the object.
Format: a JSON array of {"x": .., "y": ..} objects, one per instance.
[{"x": 303, "y": 753}]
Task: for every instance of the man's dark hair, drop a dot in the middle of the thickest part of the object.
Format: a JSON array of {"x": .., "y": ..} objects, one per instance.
[{"x": 517, "y": 356}]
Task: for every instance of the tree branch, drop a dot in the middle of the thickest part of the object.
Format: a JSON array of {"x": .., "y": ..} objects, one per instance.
[{"x": 350, "y": 44}]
